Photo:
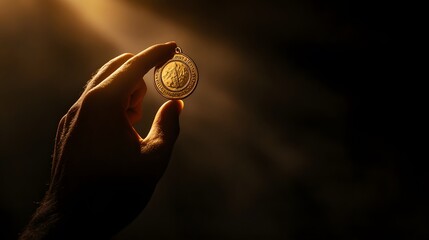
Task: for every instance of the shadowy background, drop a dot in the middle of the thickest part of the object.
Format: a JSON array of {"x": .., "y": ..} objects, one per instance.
[{"x": 303, "y": 125}]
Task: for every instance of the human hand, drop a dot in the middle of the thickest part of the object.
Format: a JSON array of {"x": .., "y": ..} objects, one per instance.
[{"x": 103, "y": 171}]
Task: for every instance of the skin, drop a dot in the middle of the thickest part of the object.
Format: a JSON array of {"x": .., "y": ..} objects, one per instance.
[{"x": 103, "y": 172}]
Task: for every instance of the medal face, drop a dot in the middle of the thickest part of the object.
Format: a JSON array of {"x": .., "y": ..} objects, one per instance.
[{"x": 177, "y": 78}]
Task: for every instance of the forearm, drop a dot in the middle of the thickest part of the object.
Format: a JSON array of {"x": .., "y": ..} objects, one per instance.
[
  {"x": 45, "y": 223},
  {"x": 95, "y": 213},
  {"x": 50, "y": 222}
]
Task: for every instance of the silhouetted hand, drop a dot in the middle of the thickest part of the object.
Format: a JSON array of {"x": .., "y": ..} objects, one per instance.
[{"x": 103, "y": 171}]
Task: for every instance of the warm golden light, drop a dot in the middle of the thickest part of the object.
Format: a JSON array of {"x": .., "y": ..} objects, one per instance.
[
  {"x": 128, "y": 27},
  {"x": 253, "y": 125}
]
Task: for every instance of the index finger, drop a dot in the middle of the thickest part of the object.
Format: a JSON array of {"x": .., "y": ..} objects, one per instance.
[{"x": 127, "y": 77}]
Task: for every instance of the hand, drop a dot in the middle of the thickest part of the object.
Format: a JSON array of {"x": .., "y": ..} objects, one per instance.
[{"x": 103, "y": 171}]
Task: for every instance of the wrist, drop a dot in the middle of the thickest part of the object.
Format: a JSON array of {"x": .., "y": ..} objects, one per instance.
[
  {"x": 51, "y": 221},
  {"x": 45, "y": 222}
]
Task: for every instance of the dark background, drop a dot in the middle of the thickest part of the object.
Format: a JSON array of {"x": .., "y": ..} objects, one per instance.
[{"x": 305, "y": 123}]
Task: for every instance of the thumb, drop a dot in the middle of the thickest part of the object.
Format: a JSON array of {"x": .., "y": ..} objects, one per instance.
[{"x": 165, "y": 127}]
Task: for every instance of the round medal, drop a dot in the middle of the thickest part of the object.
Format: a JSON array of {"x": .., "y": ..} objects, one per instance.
[{"x": 177, "y": 78}]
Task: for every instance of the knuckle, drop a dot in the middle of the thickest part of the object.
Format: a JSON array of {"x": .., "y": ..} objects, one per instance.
[
  {"x": 92, "y": 99},
  {"x": 126, "y": 55},
  {"x": 62, "y": 121},
  {"x": 100, "y": 100},
  {"x": 72, "y": 111},
  {"x": 112, "y": 61}
]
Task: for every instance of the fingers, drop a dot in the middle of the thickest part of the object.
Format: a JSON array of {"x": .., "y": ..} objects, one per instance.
[
  {"x": 107, "y": 70},
  {"x": 165, "y": 127},
  {"x": 127, "y": 77}
]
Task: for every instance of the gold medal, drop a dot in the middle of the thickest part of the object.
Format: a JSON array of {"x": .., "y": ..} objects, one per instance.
[{"x": 177, "y": 78}]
